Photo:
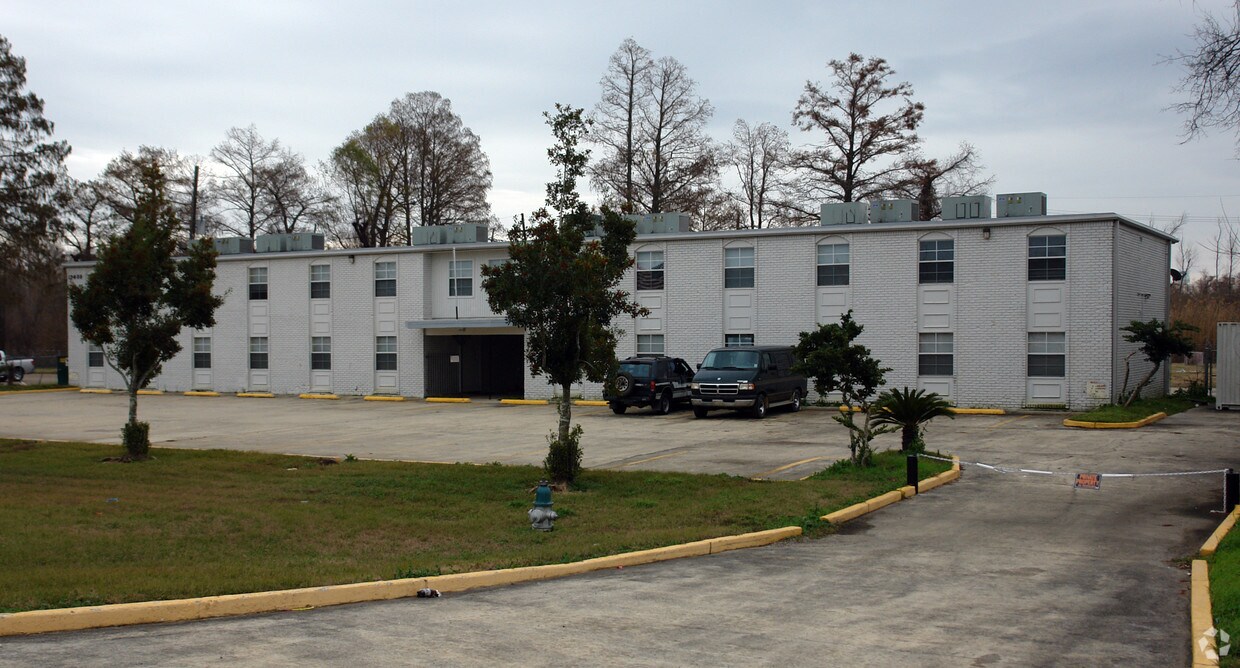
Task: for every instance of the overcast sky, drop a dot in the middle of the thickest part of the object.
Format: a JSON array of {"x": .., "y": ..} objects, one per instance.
[{"x": 1065, "y": 97}]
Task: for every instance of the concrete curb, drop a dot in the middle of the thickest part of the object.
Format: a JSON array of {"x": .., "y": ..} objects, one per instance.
[
  {"x": 1211, "y": 545},
  {"x": 95, "y": 390},
  {"x": 70, "y": 388},
  {"x": 256, "y": 395},
  {"x": 124, "y": 614},
  {"x": 150, "y": 393},
  {"x": 1201, "y": 616},
  {"x": 978, "y": 411},
  {"x": 589, "y": 402},
  {"x": 524, "y": 402},
  {"x": 201, "y": 393},
  {"x": 382, "y": 397},
  {"x": 315, "y": 395},
  {"x": 1114, "y": 425},
  {"x": 883, "y": 500},
  {"x": 448, "y": 400}
]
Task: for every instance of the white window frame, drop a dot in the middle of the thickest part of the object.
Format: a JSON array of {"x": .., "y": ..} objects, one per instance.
[
  {"x": 254, "y": 273},
  {"x": 650, "y": 269},
  {"x": 385, "y": 346},
  {"x": 740, "y": 266},
  {"x": 320, "y": 345},
  {"x": 835, "y": 254},
  {"x": 321, "y": 274},
  {"x": 737, "y": 340},
  {"x": 1047, "y": 345},
  {"x": 650, "y": 344},
  {"x": 202, "y": 346},
  {"x": 461, "y": 278},
  {"x": 260, "y": 345},
  {"x": 385, "y": 276},
  {"x": 937, "y": 345}
]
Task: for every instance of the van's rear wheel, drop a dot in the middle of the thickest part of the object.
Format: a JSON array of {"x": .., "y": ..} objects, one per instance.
[
  {"x": 796, "y": 400},
  {"x": 700, "y": 412},
  {"x": 760, "y": 407}
]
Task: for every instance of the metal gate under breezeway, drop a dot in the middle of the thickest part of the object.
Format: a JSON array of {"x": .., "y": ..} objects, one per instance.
[{"x": 490, "y": 365}]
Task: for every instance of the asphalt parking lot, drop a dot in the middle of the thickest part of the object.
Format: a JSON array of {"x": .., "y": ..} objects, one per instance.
[{"x": 994, "y": 570}]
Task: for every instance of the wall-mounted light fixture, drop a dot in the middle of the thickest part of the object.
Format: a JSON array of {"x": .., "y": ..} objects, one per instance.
[
  {"x": 985, "y": 232},
  {"x": 352, "y": 259}
]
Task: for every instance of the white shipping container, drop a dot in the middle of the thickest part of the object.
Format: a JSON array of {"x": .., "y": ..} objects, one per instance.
[{"x": 1227, "y": 392}]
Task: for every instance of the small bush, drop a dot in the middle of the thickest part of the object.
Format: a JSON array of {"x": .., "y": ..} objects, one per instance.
[
  {"x": 137, "y": 439},
  {"x": 563, "y": 461}
]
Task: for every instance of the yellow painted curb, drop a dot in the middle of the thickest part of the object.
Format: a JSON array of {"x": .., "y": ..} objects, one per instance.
[
  {"x": 1201, "y": 616},
  {"x": 956, "y": 463},
  {"x": 847, "y": 409},
  {"x": 313, "y": 395},
  {"x": 938, "y": 480},
  {"x": 150, "y": 393},
  {"x": 524, "y": 402},
  {"x": 1211, "y": 544},
  {"x": 908, "y": 491},
  {"x": 256, "y": 395},
  {"x": 449, "y": 400},
  {"x": 589, "y": 402},
  {"x": 978, "y": 411},
  {"x": 201, "y": 393},
  {"x": 1115, "y": 425},
  {"x": 123, "y": 614},
  {"x": 69, "y": 388},
  {"x": 382, "y": 397},
  {"x": 95, "y": 390},
  {"x": 883, "y": 500},
  {"x": 845, "y": 514}
]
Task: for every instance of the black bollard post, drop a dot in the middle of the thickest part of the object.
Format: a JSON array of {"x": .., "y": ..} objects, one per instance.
[
  {"x": 910, "y": 468},
  {"x": 1231, "y": 490}
]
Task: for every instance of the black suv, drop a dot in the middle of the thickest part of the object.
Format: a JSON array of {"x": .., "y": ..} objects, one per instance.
[
  {"x": 751, "y": 378},
  {"x": 649, "y": 380}
]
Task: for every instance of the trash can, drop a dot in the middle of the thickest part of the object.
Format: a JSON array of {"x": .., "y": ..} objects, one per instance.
[{"x": 62, "y": 370}]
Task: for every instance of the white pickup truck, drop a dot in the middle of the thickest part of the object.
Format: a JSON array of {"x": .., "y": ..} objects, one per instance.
[{"x": 17, "y": 368}]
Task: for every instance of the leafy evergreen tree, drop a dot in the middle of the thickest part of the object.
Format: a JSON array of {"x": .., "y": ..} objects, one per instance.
[
  {"x": 1158, "y": 343},
  {"x": 560, "y": 286},
  {"x": 139, "y": 296}
]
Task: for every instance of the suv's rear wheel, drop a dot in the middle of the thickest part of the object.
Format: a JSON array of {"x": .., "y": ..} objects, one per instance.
[
  {"x": 760, "y": 406},
  {"x": 700, "y": 412},
  {"x": 663, "y": 405},
  {"x": 796, "y": 400},
  {"x": 618, "y": 408}
]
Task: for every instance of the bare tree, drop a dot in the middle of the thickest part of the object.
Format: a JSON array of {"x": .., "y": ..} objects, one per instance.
[
  {"x": 364, "y": 170},
  {"x": 864, "y": 153},
  {"x": 957, "y": 175},
  {"x": 444, "y": 176},
  {"x": 122, "y": 185},
  {"x": 89, "y": 219},
  {"x": 1212, "y": 76},
  {"x": 759, "y": 156},
  {"x": 679, "y": 158},
  {"x": 295, "y": 198},
  {"x": 245, "y": 158},
  {"x": 616, "y": 120}
]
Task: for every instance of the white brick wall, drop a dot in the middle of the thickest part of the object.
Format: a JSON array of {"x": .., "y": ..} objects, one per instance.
[{"x": 989, "y": 310}]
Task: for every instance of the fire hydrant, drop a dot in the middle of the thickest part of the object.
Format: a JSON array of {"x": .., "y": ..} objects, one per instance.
[{"x": 542, "y": 517}]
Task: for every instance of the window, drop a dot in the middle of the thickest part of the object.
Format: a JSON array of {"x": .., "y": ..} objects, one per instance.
[
  {"x": 385, "y": 279},
  {"x": 258, "y": 352},
  {"x": 934, "y": 356},
  {"x": 832, "y": 264},
  {"x": 385, "y": 353},
  {"x": 738, "y": 267},
  {"x": 649, "y": 344},
  {"x": 461, "y": 278},
  {"x": 258, "y": 282},
  {"x": 1048, "y": 257},
  {"x": 936, "y": 261},
  {"x": 650, "y": 270},
  {"x": 734, "y": 340},
  {"x": 94, "y": 355},
  {"x": 202, "y": 352},
  {"x": 1046, "y": 354},
  {"x": 320, "y": 281},
  {"x": 321, "y": 353}
]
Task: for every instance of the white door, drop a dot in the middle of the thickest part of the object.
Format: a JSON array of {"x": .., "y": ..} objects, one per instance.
[
  {"x": 95, "y": 368},
  {"x": 202, "y": 362}
]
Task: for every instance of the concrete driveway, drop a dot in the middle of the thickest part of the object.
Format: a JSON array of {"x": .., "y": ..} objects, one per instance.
[{"x": 994, "y": 570}]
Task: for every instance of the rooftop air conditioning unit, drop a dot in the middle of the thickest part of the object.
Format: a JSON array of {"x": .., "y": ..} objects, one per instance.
[
  {"x": 958, "y": 208},
  {"x": 661, "y": 223},
  {"x": 428, "y": 235},
  {"x": 272, "y": 243},
  {"x": 893, "y": 211},
  {"x": 305, "y": 242},
  {"x": 233, "y": 245},
  {"x": 1015, "y": 205},
  {"x": 468, "y": 233},
  {"x": 843, "y": 213}
]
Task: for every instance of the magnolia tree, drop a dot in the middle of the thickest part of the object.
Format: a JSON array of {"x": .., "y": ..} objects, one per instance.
[
  {"x": 139, "y": 296},
  {"x": 559, "y": 285},
  {"x": 837, "y": 363}
]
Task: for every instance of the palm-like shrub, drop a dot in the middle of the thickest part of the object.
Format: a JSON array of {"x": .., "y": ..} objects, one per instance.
[{"x": 909, "y": 409}]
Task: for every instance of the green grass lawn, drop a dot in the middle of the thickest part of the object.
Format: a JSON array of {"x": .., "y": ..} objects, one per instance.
[
  {"x": 5, "y": 387},
  {"x": 75, "y": 530},
  {"x": 1139, "y": 410},
  {"x": 1225, "y": 592}
]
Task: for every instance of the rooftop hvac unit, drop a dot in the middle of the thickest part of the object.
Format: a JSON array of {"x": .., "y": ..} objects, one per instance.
[
  {"x": 272, "y": 243},
  {"x": 893, "y": 211},
  {"x": 468, "y": 233},
  {"x": 843, "y": 213},
  {"x": 1227, "y": 391},
  {"x": 1015, "y": 205},
  {"x": 305, "y": 242},
  {"x": 661, "y": 223},
  {"x": 957, "y": 208},
  {"x": 429, "y": 235},
  {"x": 233, "y": 245}
]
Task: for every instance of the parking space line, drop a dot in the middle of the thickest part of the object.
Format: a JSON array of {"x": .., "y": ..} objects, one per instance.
[
  {"x": 648, "y": 459},
  {"x": 1000, "y": 423},
  {"x": 785, "y": 467}
]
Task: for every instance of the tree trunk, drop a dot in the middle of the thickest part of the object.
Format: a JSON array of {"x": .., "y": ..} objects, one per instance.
[
  {"x": 1136, "y": 391},
  {"x": 133, "y": 404},
  {"x": 1127, "y": 367},
  {"x": 566, "y": 411}
]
